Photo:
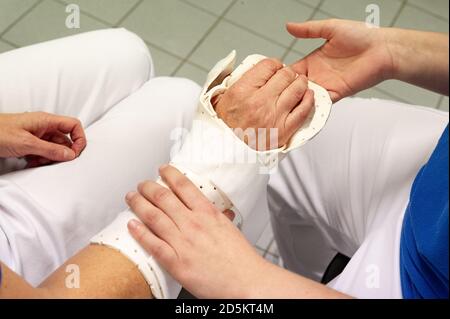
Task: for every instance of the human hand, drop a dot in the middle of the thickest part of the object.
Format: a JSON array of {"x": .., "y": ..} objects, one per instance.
[
  {"x": 268, "y": 96},
  {"x": 196, "y": 243},
  {"x": 40, "y": 137},
  {"x": 355, "y": 57}
]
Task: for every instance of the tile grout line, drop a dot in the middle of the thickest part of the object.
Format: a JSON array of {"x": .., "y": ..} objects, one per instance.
[
  {"x": 427, "y": 11},
  {"x": 23, "y": 15},
  {"x": 193, "y": 5},
  {"x": 394, "y": 20},
  {"x": 308, "y": 4},
  {"x": 266, "y": 250},
  {"x": 240, "y": 26},
  {"x": 86, "y": 13},
  {"x": 10, "y": 43},
  {"x": 173, "y": 55},
  {"x": 253, "y": 32},
  {"x": 397, "y": 98},
  {"x": 128, "y": 13},
  {"x": 294, "y": 41},
  {"x": 203, "y": 38},
  {"x": 439, "y": 102}
]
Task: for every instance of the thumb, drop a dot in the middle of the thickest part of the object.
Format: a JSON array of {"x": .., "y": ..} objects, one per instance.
[
  {"x": 51, "y": 151},
  {"x": 310, "y": 29}
]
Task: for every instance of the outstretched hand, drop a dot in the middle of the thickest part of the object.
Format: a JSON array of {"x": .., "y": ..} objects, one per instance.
[{"x": 354, "y": 57}]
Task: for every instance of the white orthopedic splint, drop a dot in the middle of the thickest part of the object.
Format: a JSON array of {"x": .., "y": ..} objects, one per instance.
[{"x": 227, "y": 171}]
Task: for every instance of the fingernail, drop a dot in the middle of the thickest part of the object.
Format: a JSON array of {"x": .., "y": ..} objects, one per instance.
[
  {"x": 133, "y": 224},
  {"x": 129, "y": 196},
  {"x": 68, "y": 155},
  {"x": 162, "y": 167}
]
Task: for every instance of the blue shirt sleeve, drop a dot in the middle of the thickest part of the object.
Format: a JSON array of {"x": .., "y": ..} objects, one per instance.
[{"x": 424, "y": 252}]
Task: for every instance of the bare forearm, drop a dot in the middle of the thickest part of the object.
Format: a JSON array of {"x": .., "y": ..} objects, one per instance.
[
  {"x": 420, "y": 58},
  {"x": 104, "y": 273},
  {"x": 281, "y": 283}
]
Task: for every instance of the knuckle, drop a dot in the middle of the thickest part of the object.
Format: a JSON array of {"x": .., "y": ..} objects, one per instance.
[
  {"x": 194, "y": 226},
  {"x": 300, "y": 93},
  {"x": 185, "y": 262},
  {"x": 160, "y": 195},
  {"x": 150, "y": 217},
  {"x": 287, "y": 73},
  {"x": 26, "y": 141},
  {"x": 75, "y": 121},
  {"x": 44, "y": 116},
  {"x": 272, "y": 64},
  {"x": 236, "y": 91},
  {"x": 145, "y": 187},
  {"x": 255, "y": 102},
  {"x": 181, "y": 183},
  {"x": 208, "y": 208},
  {"x": 158, "y": 251}
]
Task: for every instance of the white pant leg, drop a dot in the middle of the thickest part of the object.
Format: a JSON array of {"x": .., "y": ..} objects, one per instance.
[
  {"x": 81, "y": 76},
  {"x": 346, "y": 191},
  {"x": 49, "y": 213}
]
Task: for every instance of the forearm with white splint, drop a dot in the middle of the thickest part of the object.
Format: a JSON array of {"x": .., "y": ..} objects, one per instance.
[{"x": 226, "y": 170}]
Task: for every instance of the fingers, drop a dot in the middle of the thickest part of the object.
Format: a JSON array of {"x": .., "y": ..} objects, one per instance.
[
  {"x": 165, "y": 200},
  {"x": 159, "y": 249},
  {"x": 48, "y": 150},
  {"x": 301, "y": 66},
  {"x": 293, "y": 94},
  {"x": 185, "y": 190},
  {"x": 73, "y": 127},
  {"x": 56, "y": 138},
  {"x": 310, "y": 29},
  {"x": 261, "y": 72},
  {"x": 160, "y": 224},
  {"x": 36, "y": 161},
  {"x": 298, "y": 116},
  {"x": 279, "y": 82}
]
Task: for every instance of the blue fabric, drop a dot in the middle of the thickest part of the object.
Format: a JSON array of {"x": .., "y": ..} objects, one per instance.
[{"x": 424, "y": 239}]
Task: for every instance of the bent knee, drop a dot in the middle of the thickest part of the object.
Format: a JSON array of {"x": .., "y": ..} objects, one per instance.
[
  {"x": 182, "y": 90},
  {"x": 125, "y": 52}
]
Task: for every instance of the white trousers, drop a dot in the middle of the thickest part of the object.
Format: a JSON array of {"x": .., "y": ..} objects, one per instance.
[
  {"x": 346, "y": 191},
  {"x": 105, "y": 78}
]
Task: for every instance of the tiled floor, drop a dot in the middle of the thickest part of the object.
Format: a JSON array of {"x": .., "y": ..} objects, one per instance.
[{"x": 186, "y": 37}]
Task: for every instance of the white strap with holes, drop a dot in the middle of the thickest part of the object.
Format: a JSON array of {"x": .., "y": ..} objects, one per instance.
[{"x": 116, "y": 236}]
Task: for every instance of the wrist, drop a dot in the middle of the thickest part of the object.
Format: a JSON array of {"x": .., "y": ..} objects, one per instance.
[
  {"x": 389, "y": 38},
  {"x": 260, "y": 286}
]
